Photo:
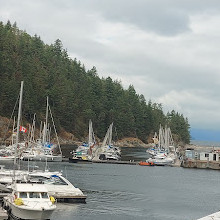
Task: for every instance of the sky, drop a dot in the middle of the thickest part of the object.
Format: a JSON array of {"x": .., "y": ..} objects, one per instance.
[{"x": 168, "y": 49}]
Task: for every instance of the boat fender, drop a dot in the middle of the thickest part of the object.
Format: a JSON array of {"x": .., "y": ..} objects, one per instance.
[
  {"x": 52, "y": 199},
  {"x": 19, "y": 201}
]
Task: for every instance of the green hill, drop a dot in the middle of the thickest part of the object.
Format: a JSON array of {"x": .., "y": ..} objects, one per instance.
[{"x": 75, "y": 94}]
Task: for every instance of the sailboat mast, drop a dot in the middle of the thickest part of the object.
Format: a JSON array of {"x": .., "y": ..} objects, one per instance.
[
  {"x": 13, "y": 131},
  {"x": 46, "y": 123},
  {"x": 47, "y": 114},
  {"x": 18, "y": 123},
  {"x": 110, "y": 135},
  {"x": 90, "y": 133}
]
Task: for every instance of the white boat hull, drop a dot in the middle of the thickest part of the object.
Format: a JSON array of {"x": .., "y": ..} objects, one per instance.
[
  {"x": 7, "y": 158},
  {"x": 161, "y": 162},
  {"x": 43, "y": 158},
  {"x": 23, "y": 213}
]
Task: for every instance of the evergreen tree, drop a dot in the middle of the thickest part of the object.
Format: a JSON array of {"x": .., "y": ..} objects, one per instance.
[{"x": 75, "y": 94}]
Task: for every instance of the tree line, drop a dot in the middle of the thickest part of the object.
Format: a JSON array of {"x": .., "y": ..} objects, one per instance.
[{"x": 75, "y": 94}]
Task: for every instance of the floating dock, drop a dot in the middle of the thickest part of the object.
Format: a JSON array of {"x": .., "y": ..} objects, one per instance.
[
  {"x": 176, "y": 164},
  {"x": 104, "y": 161},
  {"x": 190, "y": 163},
  {"x": 214, "y": 216},
  {"x": 116, "y": 162}
]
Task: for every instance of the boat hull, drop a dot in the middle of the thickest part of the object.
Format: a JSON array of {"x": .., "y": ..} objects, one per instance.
[
  {"x": 73, "y": 160},
  {"x": 48, "y": 159},
  {"x": 26, "y": 212},
  {"x": 30, "y": 214},
  {"x": 7, "y": 158}
]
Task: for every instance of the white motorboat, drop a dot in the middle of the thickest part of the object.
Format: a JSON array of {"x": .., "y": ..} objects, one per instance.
[
  {"x": 58, "y": 186},
  {"x": 29, "y": 201}
]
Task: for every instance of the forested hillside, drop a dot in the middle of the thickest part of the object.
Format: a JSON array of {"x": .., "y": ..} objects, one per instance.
[{"x": 75, "y": 94}]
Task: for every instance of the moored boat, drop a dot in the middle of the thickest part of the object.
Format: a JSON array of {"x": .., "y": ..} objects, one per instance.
[
  {"x": 145, "y": 163},
  {"x": 29, "y": 201},
  {"x": 107, "y": 151},
  {"x": 58, "y": 186}
]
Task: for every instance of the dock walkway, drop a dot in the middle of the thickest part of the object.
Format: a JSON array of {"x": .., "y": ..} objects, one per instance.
[
  {"x": 214, "y": 216},
  {"x": 116, "y": 162}
]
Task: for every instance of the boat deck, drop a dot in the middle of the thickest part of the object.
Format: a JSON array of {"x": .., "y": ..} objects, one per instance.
[{"x": 214, "y": 216}]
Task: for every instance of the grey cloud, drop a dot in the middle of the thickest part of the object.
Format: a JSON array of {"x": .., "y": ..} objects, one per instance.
[
  {"x": 165, "y": 17},
  {"x": 158, "y": 54}
]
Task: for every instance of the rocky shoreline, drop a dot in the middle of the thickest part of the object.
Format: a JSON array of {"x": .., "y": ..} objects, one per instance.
[{"x": 65, "y": 138}]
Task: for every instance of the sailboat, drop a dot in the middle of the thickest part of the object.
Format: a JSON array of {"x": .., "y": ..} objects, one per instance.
[
  {"x": 27, "y": 201},
  {"x": 107, "y": 151},
  {"x": 84, "y": 151},
  {"x": 164, "y": 154},
  {"x": 43, "y": 149}
]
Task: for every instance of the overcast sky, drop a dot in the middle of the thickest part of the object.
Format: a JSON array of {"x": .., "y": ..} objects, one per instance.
[{"x": 168, "y": 49}]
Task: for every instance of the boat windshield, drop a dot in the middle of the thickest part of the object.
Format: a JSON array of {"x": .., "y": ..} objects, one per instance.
[
  {"x": 34, "y": 195},
  {"x": 53, "y": 180},
  {"x": 23, "y": 195}
]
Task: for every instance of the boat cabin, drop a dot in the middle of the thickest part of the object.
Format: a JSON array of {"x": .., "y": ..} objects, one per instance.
[{"x": 30, "y": 191}]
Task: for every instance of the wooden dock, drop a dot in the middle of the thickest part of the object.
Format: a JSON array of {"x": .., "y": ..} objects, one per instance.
[
  {"x": 116, "y": 162},
  {"x": 104, "y": 161}
]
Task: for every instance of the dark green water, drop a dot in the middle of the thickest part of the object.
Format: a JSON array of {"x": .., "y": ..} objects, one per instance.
[{"x": 136, "y": 192}]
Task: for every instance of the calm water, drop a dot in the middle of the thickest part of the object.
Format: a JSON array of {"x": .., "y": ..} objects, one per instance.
[{"x": 135, "y": 192}]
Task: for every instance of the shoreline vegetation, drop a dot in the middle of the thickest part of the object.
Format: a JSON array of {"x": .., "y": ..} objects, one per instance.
[{"x": 67, "y": 138}]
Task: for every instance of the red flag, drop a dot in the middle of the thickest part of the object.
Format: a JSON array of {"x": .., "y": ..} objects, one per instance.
[{"x": 23, "y": 129}]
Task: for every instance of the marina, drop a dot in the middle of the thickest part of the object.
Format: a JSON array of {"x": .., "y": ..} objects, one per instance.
[
  {"x": 117, "y": 191},
  {"x": 33, "y": 194}
]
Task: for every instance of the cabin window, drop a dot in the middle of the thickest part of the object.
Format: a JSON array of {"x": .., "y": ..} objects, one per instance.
[
  {"x": 23, "y": 195},
  {"x": 206, "y": 155},
  {"x": 34, "y": 195},
  {"x": 44, "y": 195}
]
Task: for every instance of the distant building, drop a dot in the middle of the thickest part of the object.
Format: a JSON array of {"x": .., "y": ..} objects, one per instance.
[
  {"x": 203, "y": 156},
  {"x": 209, "y": 156}
]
